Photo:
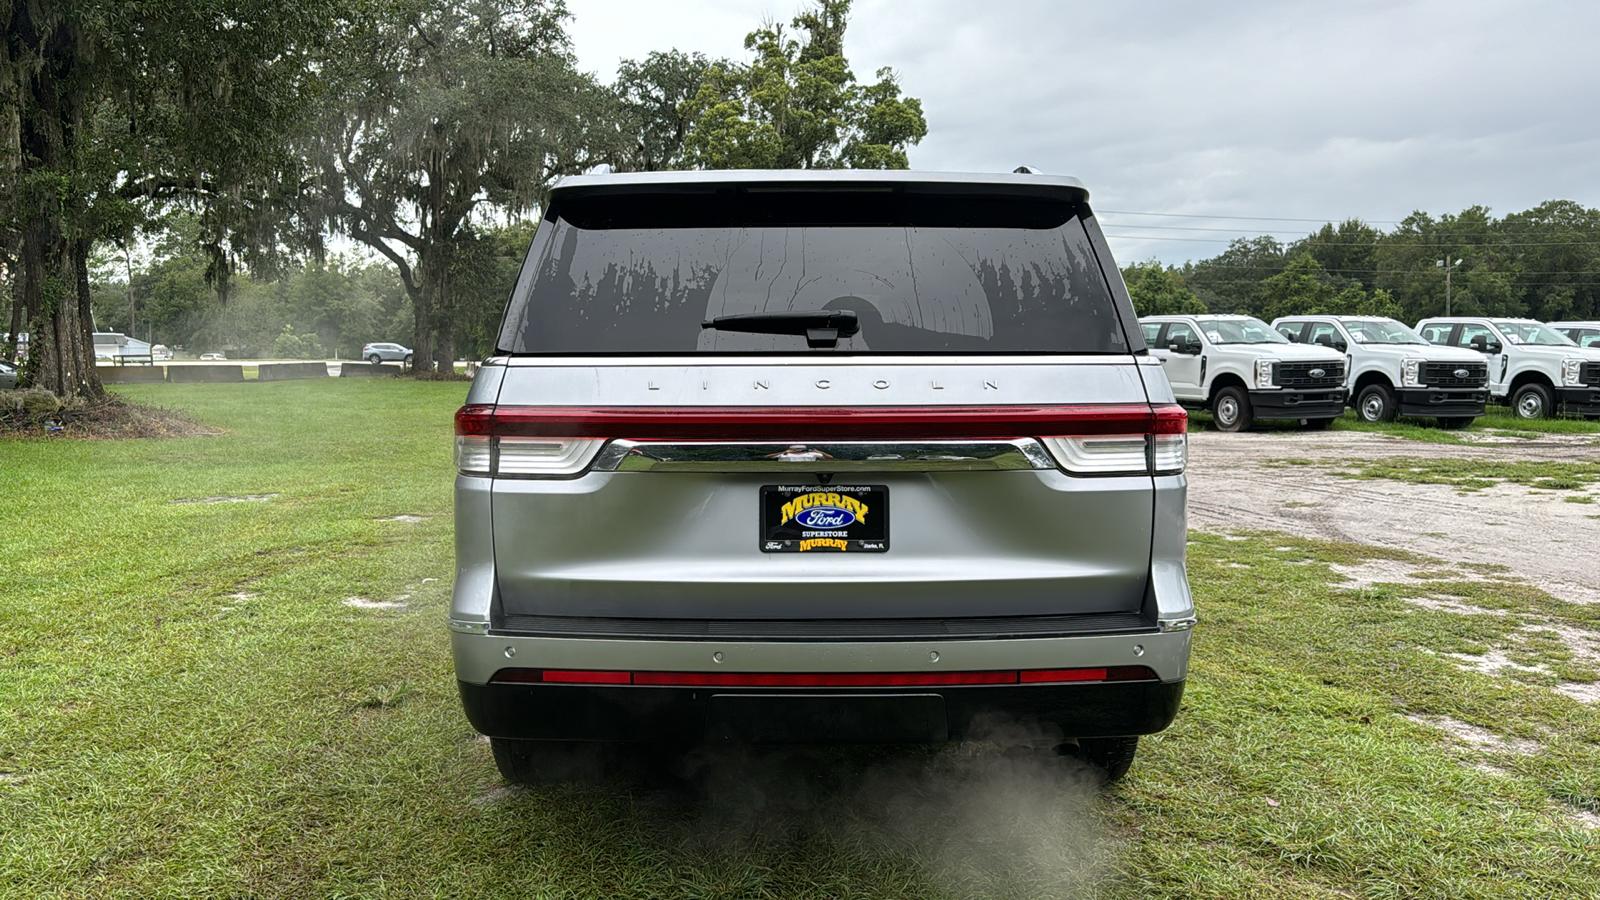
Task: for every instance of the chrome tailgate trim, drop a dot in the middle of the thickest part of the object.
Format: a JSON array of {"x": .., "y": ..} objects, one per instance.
[{"x": 833, "y": 456}]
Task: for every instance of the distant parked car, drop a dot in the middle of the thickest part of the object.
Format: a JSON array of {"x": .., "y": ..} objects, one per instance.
[
  {"x": 378, "y": 353},
  {"x": 8, "y": 376},
  {"x": 213, "y": 357}
]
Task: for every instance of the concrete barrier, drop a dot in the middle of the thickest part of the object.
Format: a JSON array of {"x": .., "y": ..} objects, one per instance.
[
  {"x": 286, "y": 371},
  {"x": 181, "y": 374},
  {"x": 131, "y": 374},
  {"x": 366, "y": 370}
]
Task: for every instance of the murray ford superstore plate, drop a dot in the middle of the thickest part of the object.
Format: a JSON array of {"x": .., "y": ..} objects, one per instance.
[{"x": 824, "y": 518}]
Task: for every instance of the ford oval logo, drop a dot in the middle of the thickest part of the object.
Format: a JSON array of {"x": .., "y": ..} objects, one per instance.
[
  {"x": 1317, "y": 373},
  {"x": 1461, "y": 373},
  {"x": 825, "y": 517}
]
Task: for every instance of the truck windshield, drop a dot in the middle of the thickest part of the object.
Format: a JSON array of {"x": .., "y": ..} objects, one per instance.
[
  {"x": 1239, "y": 331},
  {"x": 633, "y": 275},
  {"x": 1381, "y": 331},
  {"x": 1533, "y": 333}
]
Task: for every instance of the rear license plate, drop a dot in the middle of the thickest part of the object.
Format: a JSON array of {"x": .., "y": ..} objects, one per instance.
[{"x": 817, "y": 518}]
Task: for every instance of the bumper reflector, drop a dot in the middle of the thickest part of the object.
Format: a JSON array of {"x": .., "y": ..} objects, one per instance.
[{"x": 824, "y": 679}]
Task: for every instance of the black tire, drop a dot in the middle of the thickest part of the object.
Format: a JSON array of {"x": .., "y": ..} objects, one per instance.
[
  {"x": 556, "y": 762},
  {"x": 1375, "y": 403},
  {"x": 1532, "y": 401},
  {"x": 1112, "y": 756},
  {"x": 407, "y": 363},
  {"x": 375, "y": 359},
  {"x": 1230, "y": 411},
  {"x": 1318, "y": 424},
  {"x": 1454, "y": 423}
]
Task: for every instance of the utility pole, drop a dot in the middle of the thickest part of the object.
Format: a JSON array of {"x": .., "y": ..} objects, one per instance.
[
  {"x": 127, "y": 262},
  {"x": 1448, "y": 268}
]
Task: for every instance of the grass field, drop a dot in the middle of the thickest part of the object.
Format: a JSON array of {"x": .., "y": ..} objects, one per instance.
[{"x": 224, "y": 673}]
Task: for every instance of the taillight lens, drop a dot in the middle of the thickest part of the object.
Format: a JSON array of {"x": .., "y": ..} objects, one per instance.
[
  {"x": 475, "y": 454},
  {"x": 1114, "y": 455},
  {"x": 1161, "y": 447},
  {"x": 1170, "y": 452},
  {"x": 1108, "y": 439}
]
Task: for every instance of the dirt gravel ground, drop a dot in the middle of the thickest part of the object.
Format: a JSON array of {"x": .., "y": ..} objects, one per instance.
[{"x": 1237, "y": 481}]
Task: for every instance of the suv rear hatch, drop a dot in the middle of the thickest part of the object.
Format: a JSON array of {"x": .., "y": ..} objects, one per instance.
[{"x": 943, "y": 430}]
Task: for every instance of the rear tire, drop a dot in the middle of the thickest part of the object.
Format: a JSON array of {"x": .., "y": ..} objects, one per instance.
[
  {"x": 375, "y": 359},
  {"x": 1375, "y": 403},
  {"x": 556, "y": 762},
  {"x": 1112, "y": 756},
  {"x": 1231, "y": 410},
  {"x": 1454, "y": 423},
  {"x": 1532, "y": 401}
]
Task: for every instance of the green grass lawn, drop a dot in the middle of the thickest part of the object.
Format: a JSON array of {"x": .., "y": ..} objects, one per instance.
[{"x": 188, "y": 708}]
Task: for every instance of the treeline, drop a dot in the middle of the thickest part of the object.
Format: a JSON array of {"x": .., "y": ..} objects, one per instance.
[
  {"x": 243, "y": 139},
  {"x": 308, "y": 309},
  {"x": 1543, "y": 263}
]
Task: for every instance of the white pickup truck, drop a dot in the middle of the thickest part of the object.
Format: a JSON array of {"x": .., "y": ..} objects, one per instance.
[
  {"x": 1584, "y": 334},
  {"x": 1241, "y": 370},
  {"x": 1393, "y": 371},
  {"x": 1534, "y": 368}
]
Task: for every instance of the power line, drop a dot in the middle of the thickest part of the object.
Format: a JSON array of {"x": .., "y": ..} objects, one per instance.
[
  {"x": 1115, "y": 212},
  {"x": 1444, "y": 244}
]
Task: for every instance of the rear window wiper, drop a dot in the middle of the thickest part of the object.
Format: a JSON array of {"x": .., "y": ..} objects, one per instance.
[{"x": 822, "y": 327}]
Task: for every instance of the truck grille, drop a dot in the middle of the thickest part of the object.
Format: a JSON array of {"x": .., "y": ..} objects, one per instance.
[
  {"x": 1444, "y": 374},
  {"x": 1298, "y": 375},
  {"x": 1590, "y": 374}
]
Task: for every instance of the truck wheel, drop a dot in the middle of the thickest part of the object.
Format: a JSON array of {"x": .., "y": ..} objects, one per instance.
[
  {"x": 1455, "y": 422},
  {"x": 1531, "y": 401},
  {"x": 1231, "y": 410},
  {"x": 555, "y": 762},
  {"x": 1375, "y": 403},
  {"x": 1113, "y": 756}
]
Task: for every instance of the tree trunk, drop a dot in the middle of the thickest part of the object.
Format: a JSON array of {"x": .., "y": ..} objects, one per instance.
[
  {"x": 422, "y": 310},
  {"x": 52, "y": 265},
  {"x": 446, "y": 354},
  {"x": 53, "y": 287},
  {"x": 9, "y": 350}
]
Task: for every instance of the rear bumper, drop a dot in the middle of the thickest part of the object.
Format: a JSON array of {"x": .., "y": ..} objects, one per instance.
[
  {"x": 810, "y": 715},
  {"x": 1290, "y": 404},
  {"x": 1582, "y": 401},
  {"x": 690, "y": 715},
  {"x": 1437, "y": 402}
]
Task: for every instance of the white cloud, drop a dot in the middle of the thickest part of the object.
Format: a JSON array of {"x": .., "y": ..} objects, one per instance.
[{"x": 1256, "y": 108}]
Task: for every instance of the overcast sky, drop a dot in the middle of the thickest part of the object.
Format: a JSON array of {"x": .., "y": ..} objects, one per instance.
[{"x": 1250, "y": 108}]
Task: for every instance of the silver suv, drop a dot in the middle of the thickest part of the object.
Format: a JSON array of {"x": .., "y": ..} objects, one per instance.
[{"x": 818, "y": 457}]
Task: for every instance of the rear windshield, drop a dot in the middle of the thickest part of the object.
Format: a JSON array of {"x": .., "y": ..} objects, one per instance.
[{"x": 930, "y": 274}]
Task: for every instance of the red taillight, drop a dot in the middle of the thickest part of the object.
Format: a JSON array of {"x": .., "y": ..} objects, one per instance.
[
  {"x": 1170, "y": 419},
  {"x": 823, "y": 679},
  {"x": 826, "y": 679},
  {"x": 801, "y": 423},
  {"x": 570, "y": 677}
]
